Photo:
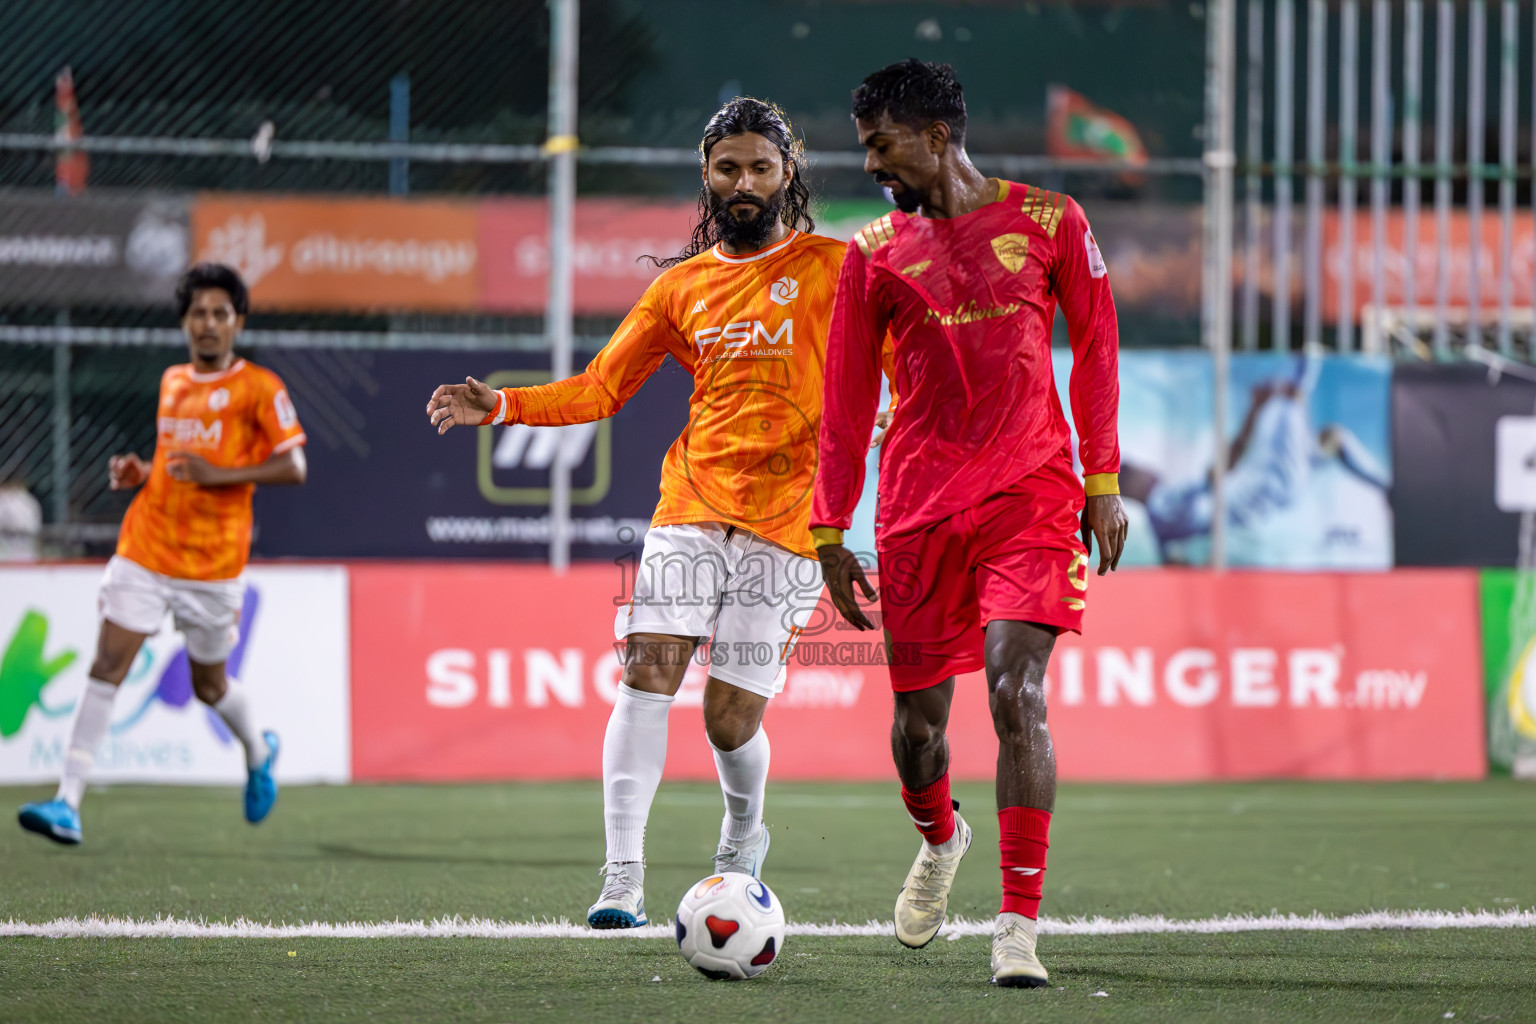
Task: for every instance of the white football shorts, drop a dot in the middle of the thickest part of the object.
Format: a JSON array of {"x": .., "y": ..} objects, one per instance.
[
  {"x": 716, "y": 582},
  {"x": 207, "y": 612}
]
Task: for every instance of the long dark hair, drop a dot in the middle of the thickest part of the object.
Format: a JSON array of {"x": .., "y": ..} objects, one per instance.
[{"x": 738, "y": 117}]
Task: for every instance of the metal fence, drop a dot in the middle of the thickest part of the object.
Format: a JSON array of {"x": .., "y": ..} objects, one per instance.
[
  {"x": 1399, "y": 108},
  {"x": 1409, "y": 135}
]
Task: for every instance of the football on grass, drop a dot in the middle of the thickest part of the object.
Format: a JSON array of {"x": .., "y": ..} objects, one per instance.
[{"x": 730, "y": 927}]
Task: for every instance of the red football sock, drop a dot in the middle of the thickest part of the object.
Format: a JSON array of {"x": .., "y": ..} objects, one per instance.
[
  {"x": 931, "y": 810},
  {"x": 1026, "y": 834}
]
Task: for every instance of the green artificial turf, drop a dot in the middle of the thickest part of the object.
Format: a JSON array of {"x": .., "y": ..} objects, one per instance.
[{"x": 532, "y": 852}]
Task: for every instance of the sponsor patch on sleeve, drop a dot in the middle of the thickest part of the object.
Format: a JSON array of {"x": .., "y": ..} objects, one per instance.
[{"x": 1096, "y": 267}]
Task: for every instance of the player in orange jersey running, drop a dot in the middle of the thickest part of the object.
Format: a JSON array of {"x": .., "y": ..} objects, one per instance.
[
  {"x": 729, "y": 556},
  {"x": 224, "y": 426}
]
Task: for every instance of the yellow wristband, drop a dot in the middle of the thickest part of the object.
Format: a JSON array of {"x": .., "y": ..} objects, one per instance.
[
  {"x": 821, "y": 536},
  {"x": 1096, "y": 484}
]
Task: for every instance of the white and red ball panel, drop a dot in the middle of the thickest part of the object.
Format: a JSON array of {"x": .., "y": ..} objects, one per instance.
[{"x": 730, "y": 926}]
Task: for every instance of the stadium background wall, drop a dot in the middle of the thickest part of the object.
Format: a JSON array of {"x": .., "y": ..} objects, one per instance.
[{"x": 434, "y": 671}]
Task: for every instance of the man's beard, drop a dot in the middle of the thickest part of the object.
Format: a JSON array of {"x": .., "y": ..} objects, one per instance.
[
  {"x": 906, "y": 200},
  {"x": 749, "y": 233}
]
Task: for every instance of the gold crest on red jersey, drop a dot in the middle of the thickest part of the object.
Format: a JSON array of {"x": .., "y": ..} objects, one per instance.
[{"x": 1012, "y": 249}]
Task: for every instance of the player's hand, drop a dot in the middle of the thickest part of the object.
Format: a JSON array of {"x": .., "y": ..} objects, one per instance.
[
  {"x": 193, "y": 469},
  {"x": 465, "y": 404},
  {"x": 840, "y": 568},
  {"x": 1104, "y": 518},
  {"x": 125, "y": 472},
  {"x": 882, "y": 424}
]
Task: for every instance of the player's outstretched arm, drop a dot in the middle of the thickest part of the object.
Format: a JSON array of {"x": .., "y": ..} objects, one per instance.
[
  {"x": 125, "y": 472},
  {"x": 840, "y": 568},
  {"x": 464, "y": 404},
  {"x": 1104, "y": 519}
]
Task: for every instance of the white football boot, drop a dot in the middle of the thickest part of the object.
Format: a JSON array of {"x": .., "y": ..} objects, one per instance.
[
  {"x": 924, "y": 897},
  {"x": 621, "y": 904},
  {"x": 743, "y": 855},
  {"x": 1014, "y": 963}
]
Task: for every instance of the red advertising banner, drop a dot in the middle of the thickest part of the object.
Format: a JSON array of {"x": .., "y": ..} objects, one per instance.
[
  {"x": 491, "y": 672},
  {"x": 612, "y": 236},
  {"x": 1425, "y": 261}
]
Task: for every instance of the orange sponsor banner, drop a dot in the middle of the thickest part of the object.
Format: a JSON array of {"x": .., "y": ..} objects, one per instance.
[
  {"x": 1181, "y": 676},
  {"x": 363, "y": 254},
  {"x": 1425, "y": 261}
]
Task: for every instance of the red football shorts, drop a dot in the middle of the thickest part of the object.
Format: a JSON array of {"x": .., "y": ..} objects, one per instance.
[{"x": 1017, "y": 556}]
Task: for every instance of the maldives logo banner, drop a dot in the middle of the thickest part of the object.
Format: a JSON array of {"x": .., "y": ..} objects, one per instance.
[
  {"x": 291, "y": 656},
  {"x": 1182, "y": 675}
]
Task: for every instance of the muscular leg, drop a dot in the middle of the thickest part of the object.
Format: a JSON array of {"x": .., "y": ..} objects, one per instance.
[
  {"x": 732, "y": 715},
  {"x": 635, "y": 743},
  {"x": 1016, "y": 655},
  {"x": 918, "y": 743},
  {"x": 733, "y": 720},
  {"x": 226, "y": 696},
  {"x": 116, "y": 648},
  {"x": 921, "y": 752},
  {"x": 209, "y": 682}
]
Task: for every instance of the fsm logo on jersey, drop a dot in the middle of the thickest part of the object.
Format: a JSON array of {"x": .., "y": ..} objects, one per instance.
[{"x": 291, "y": 655}]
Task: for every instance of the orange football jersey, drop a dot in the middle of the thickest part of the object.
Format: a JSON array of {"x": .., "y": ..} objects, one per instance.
[
  {"x": 752, "y": 330},
  {"x": 238, "y": 417}
]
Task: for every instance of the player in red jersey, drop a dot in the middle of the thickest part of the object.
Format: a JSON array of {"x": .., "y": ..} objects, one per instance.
[{"x": 979, "y": 512}]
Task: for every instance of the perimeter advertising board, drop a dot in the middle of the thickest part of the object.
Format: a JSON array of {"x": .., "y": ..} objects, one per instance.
[
  {"x": 91, "y": 249},
  {"x": 509, "y": 672},
  {"x": 292, "y": 657},
  {"x": 1463, "y": 440},
  {"x": 383, "y": 483},
  {"x": 1309, "y": 478}
]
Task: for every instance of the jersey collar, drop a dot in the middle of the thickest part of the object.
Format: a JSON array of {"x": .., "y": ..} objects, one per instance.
[
  {"x": 208, "y": 378},
  {"x": 720, "y": 253}
]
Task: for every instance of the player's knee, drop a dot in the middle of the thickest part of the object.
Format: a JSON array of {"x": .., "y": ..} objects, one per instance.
[
  {"x": 110, "y": 666},
  {"x": 914, "y": 731},
  {"x": 1018, "y": 706},
  {"x": 732, "y": 716},
  {"x": 729, "y": 731},
  {"x": 647, "y": 677},
  {"x": 208, "y": 683}
]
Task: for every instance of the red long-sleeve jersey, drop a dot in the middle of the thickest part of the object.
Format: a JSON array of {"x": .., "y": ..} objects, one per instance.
[{"x": 970, "y": 302}]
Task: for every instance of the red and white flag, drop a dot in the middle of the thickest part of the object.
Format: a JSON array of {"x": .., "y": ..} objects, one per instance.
[
  {"x": 1077, "y": 129},
  {"x": 72, "y": 165}
]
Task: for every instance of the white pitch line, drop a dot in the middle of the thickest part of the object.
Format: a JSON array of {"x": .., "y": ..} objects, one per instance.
[{"x": 478, "y": 928}]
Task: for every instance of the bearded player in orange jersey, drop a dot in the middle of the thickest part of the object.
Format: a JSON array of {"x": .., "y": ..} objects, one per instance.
[
  {"x": 729, "y": 556},
  {"x": 224, "y": 426}
]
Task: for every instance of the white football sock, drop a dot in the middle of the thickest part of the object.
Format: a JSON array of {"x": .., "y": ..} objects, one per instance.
[
  {"x": 92, "y": 717},
  {"x": 743, "y": 777},
  {"x": 634, "y": 752},
  {"x": 236, "y": 713}
]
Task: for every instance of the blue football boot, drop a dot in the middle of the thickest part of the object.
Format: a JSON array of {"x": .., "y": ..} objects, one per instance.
[
  {"x": 261, "y": 786},
  {"x": 54, "y": 819}
]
